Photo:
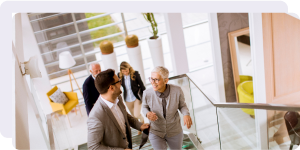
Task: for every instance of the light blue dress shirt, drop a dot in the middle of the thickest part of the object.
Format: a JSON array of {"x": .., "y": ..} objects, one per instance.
[{"x": 129, "y": 97}]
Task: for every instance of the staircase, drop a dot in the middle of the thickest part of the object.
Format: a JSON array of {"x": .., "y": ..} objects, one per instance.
[{"x": 136, "y": 141}]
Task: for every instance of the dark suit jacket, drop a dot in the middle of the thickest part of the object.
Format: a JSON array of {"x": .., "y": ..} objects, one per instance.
[
  {"x": 90, "y": 93},
  {"x": 137, "y": 86},
  {"x": 104, "y": 131}
]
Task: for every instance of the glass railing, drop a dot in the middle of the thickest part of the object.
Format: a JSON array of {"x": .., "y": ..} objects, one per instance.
[{"x": 215, "y": 125}]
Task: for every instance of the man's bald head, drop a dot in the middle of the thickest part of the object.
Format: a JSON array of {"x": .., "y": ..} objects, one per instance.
[{"x": 95, "y": 69}]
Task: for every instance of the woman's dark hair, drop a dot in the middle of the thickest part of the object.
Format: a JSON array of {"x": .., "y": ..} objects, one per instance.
[{"x": 104, "y": 79}]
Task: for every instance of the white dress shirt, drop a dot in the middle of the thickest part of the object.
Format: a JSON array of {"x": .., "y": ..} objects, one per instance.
[
  {"x": 115, "y": 109},
  {"x": 130, "y": 96}
]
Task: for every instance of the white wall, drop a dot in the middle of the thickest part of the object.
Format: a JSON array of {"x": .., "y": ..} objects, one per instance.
[
  {"x": 20, "y": 118},
  {"x": 259, "y": 88},
  {"x": 28, "y": 131},
  {"x": 36, "y": 135},
  {"x": 41, "y": 85},
  {"x": 176, "y": 41},
  {"x": 216, "y": 50},
  {"x": 21, "y": 135}
]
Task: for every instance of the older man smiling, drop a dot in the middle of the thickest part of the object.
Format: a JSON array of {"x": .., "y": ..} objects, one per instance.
[{"x": 160, "y": 104}]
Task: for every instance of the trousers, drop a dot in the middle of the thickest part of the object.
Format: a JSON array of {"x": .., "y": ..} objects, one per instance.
[{"x": 174, "y": 143}]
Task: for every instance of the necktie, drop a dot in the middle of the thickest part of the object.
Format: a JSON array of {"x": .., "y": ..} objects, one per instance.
[{"x": 164, "y": 105}]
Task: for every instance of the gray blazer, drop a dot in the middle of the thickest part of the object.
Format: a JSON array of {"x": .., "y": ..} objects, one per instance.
[
  {"x": 175, "y": 101},
  {"x": 104, "y": 131}
]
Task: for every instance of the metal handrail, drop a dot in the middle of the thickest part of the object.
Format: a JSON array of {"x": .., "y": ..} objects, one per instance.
[{"x": 286, "y": 107}]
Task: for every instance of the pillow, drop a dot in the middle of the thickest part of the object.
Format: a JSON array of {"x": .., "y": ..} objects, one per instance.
[{"x": 59, "y": 97}]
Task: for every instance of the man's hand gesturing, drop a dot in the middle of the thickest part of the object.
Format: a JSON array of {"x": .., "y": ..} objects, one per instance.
[{"x": 152, "y": 116}]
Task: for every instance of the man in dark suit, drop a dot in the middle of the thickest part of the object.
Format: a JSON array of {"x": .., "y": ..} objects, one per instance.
[
  {"x": 90, "y": 92},
  {"x": 109, "y": 123}
]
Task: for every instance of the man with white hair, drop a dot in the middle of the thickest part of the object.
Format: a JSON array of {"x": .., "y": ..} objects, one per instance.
[
  {"x": 160, "y": 104},
  {"x": 90, "y": 92}
]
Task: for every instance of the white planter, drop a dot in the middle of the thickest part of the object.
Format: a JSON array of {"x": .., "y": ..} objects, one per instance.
[
  {"x": 136, "y": 60},
  {"x": 156, "y": 50},
  {"x": 110, "y": 61}
]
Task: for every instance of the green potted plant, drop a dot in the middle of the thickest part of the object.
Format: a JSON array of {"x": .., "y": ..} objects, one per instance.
[
  {"x": 155, "y": 41},
  {"x": 150, "y": 18}
]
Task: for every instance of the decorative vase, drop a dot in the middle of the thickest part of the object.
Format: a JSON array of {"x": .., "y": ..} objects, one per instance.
[
  {"x": 135, "y": 54},
  {"x": 136, "y": 60},
  {"x": 108, "y": 56},
  {"x": 156, "y": 50}
]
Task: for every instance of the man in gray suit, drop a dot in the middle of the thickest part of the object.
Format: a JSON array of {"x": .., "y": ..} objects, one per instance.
[
  {"x": 161, "y": 104},
  {"x": 109, "y": 123}
]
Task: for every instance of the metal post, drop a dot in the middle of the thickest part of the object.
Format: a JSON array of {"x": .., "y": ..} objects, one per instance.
[
  {"x": 124, "y": 24},
  {"x": 80, "y": 42}
]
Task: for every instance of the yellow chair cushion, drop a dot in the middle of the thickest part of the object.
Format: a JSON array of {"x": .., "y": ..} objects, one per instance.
[
  {"x": 245, "y": 93},
  {"x": 68, "y": 106},
  {"x": 244, "y": 78}
]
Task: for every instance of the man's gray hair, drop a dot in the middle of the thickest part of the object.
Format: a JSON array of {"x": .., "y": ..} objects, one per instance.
[
  {"x": 164, "y": 72},
  {"x": 92, "y": 64}
]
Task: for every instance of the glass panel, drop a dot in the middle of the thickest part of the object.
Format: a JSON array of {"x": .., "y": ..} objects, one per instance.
[
  {"x": 62, "y": 136},
  {"x": 205, "y": 118},
  {"x": 56, "y": 35},
  {"x": 199, "y": 55},
  {"x": 58, "y": 44},
  {"x": 65, "y": 78},
  {"x": 51, "y": 22},
  {"x": 39, "y": 114},
  {"x": 98, "y": 22},
  {"x": 57, "y": 72},
  {"x": 140, "y": 22},
  {"x": 190, "y": 18},
  {"x": 283, "y": 129},
  {"x": 91, "y": 58},
  {"x": 185, "y": 86},
  {"x": 89, "y": 48},
  {"x": 33, "y": 16},
  {"x": 54, "y": 56},
  {"x": 102, "y": 33},
  {"x": 80, "y": 78},
  {"x": 237, "y": 128},
  {"x": 196, "y": 34}
]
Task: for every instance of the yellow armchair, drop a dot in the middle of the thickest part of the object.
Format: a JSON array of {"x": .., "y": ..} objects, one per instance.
[
  {"x": 68, "y": 106},
  {"x": 244, "y": 78},
  {"x": 245, "y": 93}
]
